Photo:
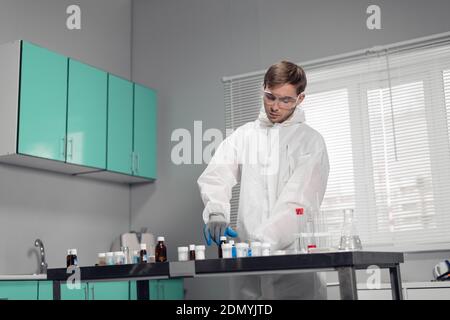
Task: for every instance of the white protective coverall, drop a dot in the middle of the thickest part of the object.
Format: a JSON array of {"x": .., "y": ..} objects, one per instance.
[{"x": 281, "y": 167}]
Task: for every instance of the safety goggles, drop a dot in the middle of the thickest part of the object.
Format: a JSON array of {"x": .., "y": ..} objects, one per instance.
[{"x": 283, "y": 102}]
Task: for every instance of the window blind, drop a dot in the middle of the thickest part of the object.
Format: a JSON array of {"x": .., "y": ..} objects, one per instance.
[{"x": 385, "y": 117}]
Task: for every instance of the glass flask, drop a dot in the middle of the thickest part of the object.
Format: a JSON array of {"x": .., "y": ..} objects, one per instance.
[{"x": 350, "y": 240}]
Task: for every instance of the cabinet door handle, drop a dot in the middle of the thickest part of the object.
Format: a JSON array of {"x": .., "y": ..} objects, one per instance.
[
  {"x": 163, "y": 289},
  {"x": 63, "y": 147},
  {"x": 70, "y": 142},
  {"x": 132, "y": 162},
  {"x": 86, "y": 292},
  {"x": 93, "y": 293},
  {"x": 137, "y": 162}
]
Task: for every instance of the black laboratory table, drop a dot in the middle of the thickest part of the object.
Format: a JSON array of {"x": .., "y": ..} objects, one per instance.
[
  {"x": 139, "y": 272},
  {"x": 345, "y": 263}
]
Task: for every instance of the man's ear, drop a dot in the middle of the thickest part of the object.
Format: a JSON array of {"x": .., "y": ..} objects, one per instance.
[{"x": 301, "y": 98}]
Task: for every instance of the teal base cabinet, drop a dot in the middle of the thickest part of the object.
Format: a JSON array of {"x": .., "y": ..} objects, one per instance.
[
  {"x": 170, "y": 289},
  {"x": 26, "y": 290},
  {"x": 117, "y": 290},
  {"x": 18, "y": 290},
  {"x": 114, "y": 290},
  {"x": 62, "y": 115},
  {"x": 167, "y": 289},
  {"x": 45, "y": 289},
  {"x": 74, "y": 293}
]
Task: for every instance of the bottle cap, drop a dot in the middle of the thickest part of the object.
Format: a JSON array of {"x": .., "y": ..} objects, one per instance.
[
  {"x": 69, "y": 252},
  {"x": 109, "y": 254},
  {"x": 160, "y": 239},
  {"x": 299, "y": 211},
  {"x": 102, "y": 255},
  {"x": 192, "y": 247},
  {"x": 223, "y": 238},
  {"x": 73, "y": 251},
  {"x": 183, "y": 249},
  {"x": 143, "y": 246},
  {"x": 226, "y": 246},
  {"x": 231, "y": 242},
  {"x": 200, "y": 247}
]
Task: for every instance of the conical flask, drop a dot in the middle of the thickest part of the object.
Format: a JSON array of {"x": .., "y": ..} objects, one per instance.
[{"x": 350, "y": 240}]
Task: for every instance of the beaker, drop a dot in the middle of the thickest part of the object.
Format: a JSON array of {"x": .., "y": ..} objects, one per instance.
[{"x": 350, "y": 240}]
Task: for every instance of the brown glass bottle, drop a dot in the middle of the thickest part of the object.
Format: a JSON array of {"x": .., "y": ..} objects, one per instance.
[
  {"x": 160, "y": 251},
  {"x": 223, "y": 240},
  {"x": 71, "y": 259},
  {"x": 192, "y": 252}
]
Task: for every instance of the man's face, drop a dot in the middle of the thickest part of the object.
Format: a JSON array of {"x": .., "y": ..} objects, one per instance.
[{"x": 280, "y": 102}]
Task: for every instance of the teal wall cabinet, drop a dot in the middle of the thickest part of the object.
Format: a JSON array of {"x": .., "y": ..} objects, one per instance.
[
  {"x": 145, "y": 143},
  {"x": 120, "y": 125},
  {"x": 86, "y": 115},
  {"x": 43, "y": 83},
  {"x": 62, "y": 115}
]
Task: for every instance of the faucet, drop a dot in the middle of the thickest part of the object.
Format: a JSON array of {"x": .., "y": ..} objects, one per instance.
[{"x": 43, "y": 266}]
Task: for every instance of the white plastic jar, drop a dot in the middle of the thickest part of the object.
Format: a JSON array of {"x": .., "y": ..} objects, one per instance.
[
  {"x": 256, "y": 248},
  {"x": 280, "y": 253},
  {"x": 102, "y": 259},
  {"x": 241, "y": 249},
  {"x": 265, "y": 249},
  {"x": 110, "y": 258},
  {"x": 226, "y": 250},
  {"x": 183, "y": 253},
  {"x": 200, "y": 252},
  {"x": 119, "y": 257}
]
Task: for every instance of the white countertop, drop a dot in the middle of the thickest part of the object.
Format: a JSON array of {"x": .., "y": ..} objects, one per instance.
[{"x": 23, "y": 277}]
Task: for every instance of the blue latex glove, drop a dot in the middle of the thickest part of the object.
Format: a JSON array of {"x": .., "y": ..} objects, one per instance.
[{"x": 217, "y": 227}]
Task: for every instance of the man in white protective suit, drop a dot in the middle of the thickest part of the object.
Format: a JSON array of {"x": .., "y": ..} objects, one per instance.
[{"x": 282, "y": 164}]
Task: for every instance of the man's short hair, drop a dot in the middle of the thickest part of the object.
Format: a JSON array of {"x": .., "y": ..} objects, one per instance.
[{"x": 285, "y": 72}]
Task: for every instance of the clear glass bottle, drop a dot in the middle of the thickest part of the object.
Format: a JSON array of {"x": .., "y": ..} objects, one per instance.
[
  {"x": 350, "y": 240},
  {"x": 136, "y": 256},
  {"x": 300, "y": 246},
  {"x": 126, "y": 252},
  {"x": 310, "y": 231},
  {"x": 143, "y": 253}
]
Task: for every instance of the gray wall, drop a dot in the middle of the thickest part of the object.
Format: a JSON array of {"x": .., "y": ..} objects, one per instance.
[
  {"x": 65, "y": 212},
  {"x": 183, "y": 48}
]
